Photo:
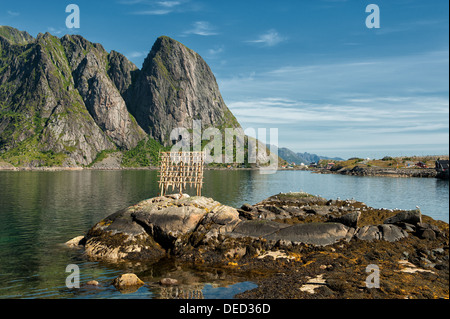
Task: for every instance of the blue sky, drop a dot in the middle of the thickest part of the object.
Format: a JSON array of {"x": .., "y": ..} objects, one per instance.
[{"x": 310, "y": 68}]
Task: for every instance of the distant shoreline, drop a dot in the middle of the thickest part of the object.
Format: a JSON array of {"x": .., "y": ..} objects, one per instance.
[
  {"x": 382, "y": 172},
  {"x": 356, "y": 171},
  {"x": 151, "y": 168}
]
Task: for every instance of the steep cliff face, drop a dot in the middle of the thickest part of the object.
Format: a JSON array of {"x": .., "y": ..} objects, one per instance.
[
  {"x": 65, "y": 100},
  {"x": 56, "y": 97},
  {"x": 175, "y": 87},
  {"x": 89, "y": 64}
]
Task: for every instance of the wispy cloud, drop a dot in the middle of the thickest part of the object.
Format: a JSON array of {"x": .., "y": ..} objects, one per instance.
[
  {"x": 55, "y": 31},
  {"x": 348, "y": 104},
  {"x": 215, "y": 52},
  {"x": 152, "y": 12},
  {"x": 13, "y": 13},
  {"x": 202, "y": 28},
  {"x": 136, "y": 54},
  {"x": 169, "y": 4},
  {"x": 270, "y": 38},
  {"x": 149, "y": 7}
]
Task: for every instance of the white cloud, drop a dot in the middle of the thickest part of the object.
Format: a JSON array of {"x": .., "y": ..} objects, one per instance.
[
  {"x": 202, "y": 28},
  {"x": 136, "y": 54},
  {"x": 169, "y": 4},
  {"x": 153, "y": 12},
  {"x": 270, "y": 38},
  {"x": 55, "y": 31},
  {"x": 346, "y": 105},
  {"x": 159, "y": 7},
  {"x": 13, "y": 13}
]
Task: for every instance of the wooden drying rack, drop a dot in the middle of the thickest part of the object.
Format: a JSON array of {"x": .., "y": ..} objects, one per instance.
[{"x": 180, "y": 169}]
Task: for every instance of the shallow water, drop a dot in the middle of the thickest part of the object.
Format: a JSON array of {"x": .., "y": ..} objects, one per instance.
[{"x": 41, "y": 210}]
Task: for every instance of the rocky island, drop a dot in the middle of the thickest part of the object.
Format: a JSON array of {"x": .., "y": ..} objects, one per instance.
[{"x": 296, "y": 244}]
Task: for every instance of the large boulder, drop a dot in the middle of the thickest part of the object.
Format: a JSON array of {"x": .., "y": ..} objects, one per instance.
[
  {"x": 150, "y": 228},
  {"x": 258, "y": 228},
  {"x": 351, "y": 219},
  {"x": 386, "y": 232},
  {"x": 119, "y": 237},
  {"x": 318, "y": 234},
  {"x": 413, "y": 217}
]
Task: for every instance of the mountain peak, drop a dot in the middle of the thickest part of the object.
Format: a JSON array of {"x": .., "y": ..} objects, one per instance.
[
  {"x": 175, "y": 87},
  {"x": 15, "y": 36}
]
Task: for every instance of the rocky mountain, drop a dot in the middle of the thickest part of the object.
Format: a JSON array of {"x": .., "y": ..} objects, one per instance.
[
  {"x": 64, "y": 101},
  {"x": 177, "y": 81},
  {"x": 310, "y": 158},
  {"x": 306, "y": 158}
]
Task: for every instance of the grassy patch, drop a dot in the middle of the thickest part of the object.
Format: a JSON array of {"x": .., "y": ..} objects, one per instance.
[
  {"x": 28, "y": 152},
  {"x": 101, "y": 156},
  {"x": 145, "y": 153}
]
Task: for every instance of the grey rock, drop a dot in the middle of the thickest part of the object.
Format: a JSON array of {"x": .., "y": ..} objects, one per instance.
[
  {"x": 350, "y": 219},
  {"x": 319, "y": 234},
  {"x": 257, "y": 228},
  {"x": 413, "y": 217},
  {"x": 389, "y": 233},
  {"x": 427, "y": 231}
]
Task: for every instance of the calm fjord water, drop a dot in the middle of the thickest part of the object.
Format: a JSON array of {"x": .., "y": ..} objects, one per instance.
[{"x": 39, "y": 211}]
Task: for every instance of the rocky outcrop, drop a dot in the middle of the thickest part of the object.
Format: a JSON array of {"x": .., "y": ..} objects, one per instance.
[
  {"x": 175, "y": 87},
  {"x": 378, "y": 171},
  {"x": 185, "y": 226}
]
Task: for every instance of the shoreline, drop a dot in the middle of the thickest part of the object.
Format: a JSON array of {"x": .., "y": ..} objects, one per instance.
[
  {"x": 382, "y": 172},
  {"x": 150, "y": 168},
  {"x": 356, "y": 171}
]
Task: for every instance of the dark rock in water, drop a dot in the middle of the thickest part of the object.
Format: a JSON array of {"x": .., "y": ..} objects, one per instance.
[
  {"x": 127, "y": 283},
  {"x": 350, "y": 219},
  {"x": 413, "y": 217},
  {"x": 319, "y": 234},
  {"x": 381, "y": 232}
]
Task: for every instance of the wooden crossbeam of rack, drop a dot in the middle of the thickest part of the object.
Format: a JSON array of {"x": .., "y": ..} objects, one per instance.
[{"x": 181, "y": 169}]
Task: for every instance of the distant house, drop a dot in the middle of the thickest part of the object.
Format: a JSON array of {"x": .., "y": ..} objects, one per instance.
[
  {"x": 422, "y": 165},
  {"x": 330, "y": 165},
  {"x": 313, "y": 164}
]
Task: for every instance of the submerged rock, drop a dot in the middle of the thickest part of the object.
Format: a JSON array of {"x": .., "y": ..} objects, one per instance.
[
  {"x": 75, "y": 242},
  {"x": 127, "y": 282}
]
